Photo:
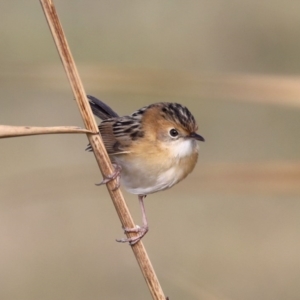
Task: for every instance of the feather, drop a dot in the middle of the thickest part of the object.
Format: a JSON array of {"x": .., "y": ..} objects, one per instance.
[
  {"x": 119, "y": 134},
  {"x": 100, "y": 109}
]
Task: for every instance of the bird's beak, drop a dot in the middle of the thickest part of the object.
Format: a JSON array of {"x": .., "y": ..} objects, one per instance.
[{"x": 197, "y": 137}]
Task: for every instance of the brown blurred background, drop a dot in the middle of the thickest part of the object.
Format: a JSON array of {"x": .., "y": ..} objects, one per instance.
[{"x": 230, "y": 231}]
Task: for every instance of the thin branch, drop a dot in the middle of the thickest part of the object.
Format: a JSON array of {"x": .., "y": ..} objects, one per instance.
[
  {"x": 14, "y": 131},
  {"x": 98, "y": 147}
]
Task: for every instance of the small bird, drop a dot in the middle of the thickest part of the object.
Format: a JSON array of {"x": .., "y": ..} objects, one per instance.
[{"x": 152, "y": 149}]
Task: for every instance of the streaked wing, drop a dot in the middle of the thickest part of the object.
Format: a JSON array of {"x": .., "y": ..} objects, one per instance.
[
  {"x": 118, "y": 134},
  {"x": 113, "y": 144}
]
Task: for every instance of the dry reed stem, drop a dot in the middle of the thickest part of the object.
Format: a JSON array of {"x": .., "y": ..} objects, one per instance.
[
  {"x": 14, "y": 131},
  {"x": 98, "y": 147}
]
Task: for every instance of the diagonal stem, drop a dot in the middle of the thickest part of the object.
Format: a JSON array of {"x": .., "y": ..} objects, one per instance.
[{"x": 98, "y": 147}]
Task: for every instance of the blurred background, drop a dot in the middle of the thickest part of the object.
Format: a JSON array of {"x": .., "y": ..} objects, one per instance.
[{"x": 229, "y": 231}]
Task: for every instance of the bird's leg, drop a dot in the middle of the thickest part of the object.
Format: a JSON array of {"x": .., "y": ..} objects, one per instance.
[
  {"x": 115, "y": 175},
  {"x": 141, "y": 230}
]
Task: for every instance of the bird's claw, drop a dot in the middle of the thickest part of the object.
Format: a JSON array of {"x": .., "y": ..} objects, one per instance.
[
  {"x": 115, "y": 175},
  {"x": 141, "y": 230}
]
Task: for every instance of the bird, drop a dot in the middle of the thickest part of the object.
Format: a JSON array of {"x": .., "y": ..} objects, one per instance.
[{"x": 151, "y": 150}]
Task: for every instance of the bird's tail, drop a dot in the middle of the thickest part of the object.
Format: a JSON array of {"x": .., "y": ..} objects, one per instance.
[{"x": 100, "y": 109}]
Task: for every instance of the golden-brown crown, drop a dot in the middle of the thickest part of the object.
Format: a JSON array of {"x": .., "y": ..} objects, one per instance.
[{"x": 172, "y": 112}]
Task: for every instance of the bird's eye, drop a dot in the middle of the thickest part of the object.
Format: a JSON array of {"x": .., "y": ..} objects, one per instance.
[{"x": 173, "y": 133}]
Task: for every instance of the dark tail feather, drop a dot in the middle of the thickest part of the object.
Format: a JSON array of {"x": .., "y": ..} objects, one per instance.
[{"x": 100, "y": 109}]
